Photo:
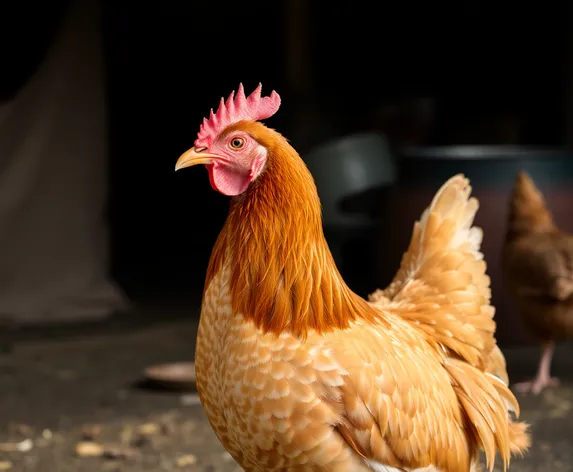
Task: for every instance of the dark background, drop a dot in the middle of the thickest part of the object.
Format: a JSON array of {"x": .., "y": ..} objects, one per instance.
[{"x": 483, "y": 64}]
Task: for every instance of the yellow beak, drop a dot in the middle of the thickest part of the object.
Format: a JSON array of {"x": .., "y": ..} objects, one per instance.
[{"x": 194, "y": 157}]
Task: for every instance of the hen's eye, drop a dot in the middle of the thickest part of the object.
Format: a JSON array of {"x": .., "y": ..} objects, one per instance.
[{"x": 237, "y": 143}]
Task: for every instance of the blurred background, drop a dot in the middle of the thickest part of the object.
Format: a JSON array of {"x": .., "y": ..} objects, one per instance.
[
  {"x": 383, "y": 101},
  {"x": 477, "y": 74}
]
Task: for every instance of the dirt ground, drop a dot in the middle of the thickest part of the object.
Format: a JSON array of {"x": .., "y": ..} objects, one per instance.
[{"x": 78, "y": 404}]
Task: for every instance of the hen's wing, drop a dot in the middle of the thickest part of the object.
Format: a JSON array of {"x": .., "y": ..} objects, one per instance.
[
  {"x": 541, "y": 266},
  {"x": 407, "y": 405},
  {"x": 496, "y": 365},
  {"x": 401, "y": 410}
]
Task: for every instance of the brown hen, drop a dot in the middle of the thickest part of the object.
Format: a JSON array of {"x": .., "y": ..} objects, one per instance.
[{"x": 538, "y": 268}]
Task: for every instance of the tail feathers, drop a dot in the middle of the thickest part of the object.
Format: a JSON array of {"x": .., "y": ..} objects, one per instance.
[
  {"x": 520, "y": 440},
  {"x": 496, "y": 365},
  {"x": 484, "y": 399},
  {"x": 442, "y": 286},
  {"x": 442, "y": 289}
]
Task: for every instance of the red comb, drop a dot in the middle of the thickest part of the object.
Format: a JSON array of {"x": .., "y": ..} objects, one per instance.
[{"x": 237, "y": 108}]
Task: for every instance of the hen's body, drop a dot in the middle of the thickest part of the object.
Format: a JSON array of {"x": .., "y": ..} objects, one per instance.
[
  {"x": 538, "y": 267},
  {"x": 296, "y": 372},
  {"x": 284, "y": 404},
  {"x": 540, "y": 270}
]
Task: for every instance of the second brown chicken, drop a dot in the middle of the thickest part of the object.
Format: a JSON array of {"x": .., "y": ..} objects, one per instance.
[{"x": 538, "y": 268}]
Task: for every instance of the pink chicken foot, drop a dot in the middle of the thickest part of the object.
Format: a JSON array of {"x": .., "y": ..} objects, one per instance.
[{"x": 543, "y": 377}]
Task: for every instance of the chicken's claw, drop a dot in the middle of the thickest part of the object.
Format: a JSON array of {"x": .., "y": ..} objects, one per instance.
[{"x": 537, "y": 385}]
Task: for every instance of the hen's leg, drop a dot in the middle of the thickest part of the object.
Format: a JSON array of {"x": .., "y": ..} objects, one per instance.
[{"x": 543, "y": 378}]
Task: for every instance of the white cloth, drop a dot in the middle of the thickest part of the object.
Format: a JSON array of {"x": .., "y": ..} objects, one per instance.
[{"x": 54, "y": 250}]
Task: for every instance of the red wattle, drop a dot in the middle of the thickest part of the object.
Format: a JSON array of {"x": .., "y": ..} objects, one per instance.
[{"x": 227, "y": 181}]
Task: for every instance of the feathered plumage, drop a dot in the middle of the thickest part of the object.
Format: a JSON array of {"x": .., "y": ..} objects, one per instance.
[{"x": 298, "y": 373}]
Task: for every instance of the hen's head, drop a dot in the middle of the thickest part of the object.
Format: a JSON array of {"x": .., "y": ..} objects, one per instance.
[{"x": 228, "y": 143}]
